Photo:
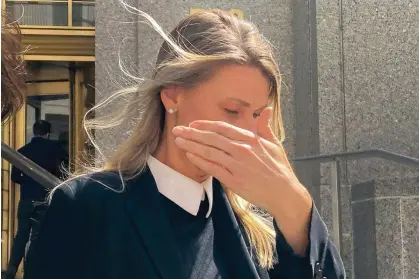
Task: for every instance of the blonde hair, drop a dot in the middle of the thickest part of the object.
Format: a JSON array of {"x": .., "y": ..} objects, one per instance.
[{"x": 189, "y": 55}]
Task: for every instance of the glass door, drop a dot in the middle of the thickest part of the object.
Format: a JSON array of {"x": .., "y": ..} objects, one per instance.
[{"x": 53, "y": 108}]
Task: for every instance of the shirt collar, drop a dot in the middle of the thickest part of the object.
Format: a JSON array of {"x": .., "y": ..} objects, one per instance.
[{"x": 180, "y": 189}]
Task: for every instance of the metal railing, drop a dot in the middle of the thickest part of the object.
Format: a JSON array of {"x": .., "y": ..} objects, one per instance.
[
  {"x": 335, "y": 159},
  {"x": 27, "y": 166}
]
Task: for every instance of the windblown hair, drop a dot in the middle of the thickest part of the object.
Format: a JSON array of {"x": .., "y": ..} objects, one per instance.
[
  {"x": 13, "y": 87},
  {"x": 190, "y": 54}
]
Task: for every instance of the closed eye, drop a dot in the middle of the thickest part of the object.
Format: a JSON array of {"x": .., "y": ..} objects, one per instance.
[{"x": 229, "y": 111}]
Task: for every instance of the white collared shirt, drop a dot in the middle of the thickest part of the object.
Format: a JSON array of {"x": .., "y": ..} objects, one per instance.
[{"x": 180, "y": 189}]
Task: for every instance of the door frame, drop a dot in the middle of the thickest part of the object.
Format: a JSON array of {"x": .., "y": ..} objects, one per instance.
[{"x": 14, "y": 135}]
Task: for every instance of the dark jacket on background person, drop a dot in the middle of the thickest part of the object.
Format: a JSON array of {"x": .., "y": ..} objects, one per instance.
[
  {"x": 46, "y": 153},
  {"x": 91, "y": 232}
]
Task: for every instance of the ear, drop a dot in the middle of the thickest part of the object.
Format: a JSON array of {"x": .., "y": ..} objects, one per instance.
[{"x": 171, "y": 97}]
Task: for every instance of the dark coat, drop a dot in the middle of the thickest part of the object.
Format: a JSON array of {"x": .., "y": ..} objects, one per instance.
[
  {"x": 90, "y": 231},
  {"x": 46, "y": 153}
]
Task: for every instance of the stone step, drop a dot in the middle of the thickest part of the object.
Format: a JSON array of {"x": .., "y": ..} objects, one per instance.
[{"x": 380, "y": 226}]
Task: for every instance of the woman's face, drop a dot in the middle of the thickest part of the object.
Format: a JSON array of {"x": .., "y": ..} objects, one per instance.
[{"x": 236, "y": 94}]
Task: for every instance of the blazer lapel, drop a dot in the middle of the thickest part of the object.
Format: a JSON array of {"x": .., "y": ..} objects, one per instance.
[
  {"x": 147, "y": 213},
  {"x": 227, "y": 234}
]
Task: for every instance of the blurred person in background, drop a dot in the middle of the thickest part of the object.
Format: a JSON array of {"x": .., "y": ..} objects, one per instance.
[{"x": 50, "y": 155}]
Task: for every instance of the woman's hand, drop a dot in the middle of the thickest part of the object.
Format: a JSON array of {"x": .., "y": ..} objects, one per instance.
[{"x": 253, "y": 166}]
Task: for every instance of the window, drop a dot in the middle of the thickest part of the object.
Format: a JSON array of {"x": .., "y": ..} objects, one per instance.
[
  {"x": 83, "y": 13},
  {"x": 57, "y": 13}
]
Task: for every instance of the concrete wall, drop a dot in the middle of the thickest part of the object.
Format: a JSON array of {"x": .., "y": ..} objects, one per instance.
[
  {"x": 116, "y": 36},
  {"x": 369, "y": 98},
  {"x": 385, "y": 232},
  {"x": 368, "y": 81}
]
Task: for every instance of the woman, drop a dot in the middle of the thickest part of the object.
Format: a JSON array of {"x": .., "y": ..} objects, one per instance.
[{"x": 176, "y": 199}]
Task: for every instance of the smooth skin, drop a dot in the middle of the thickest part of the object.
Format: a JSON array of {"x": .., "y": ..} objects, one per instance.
[{"x": 221, "y": 129}]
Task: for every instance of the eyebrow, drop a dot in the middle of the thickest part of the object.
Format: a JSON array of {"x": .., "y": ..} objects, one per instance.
[{"x": 245, "y": 104}]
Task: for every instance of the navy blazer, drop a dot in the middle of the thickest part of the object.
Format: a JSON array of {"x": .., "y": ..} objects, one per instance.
[{"x": 90, "y": 231}]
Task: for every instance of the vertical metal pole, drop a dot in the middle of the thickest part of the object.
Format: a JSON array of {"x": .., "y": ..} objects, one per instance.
[{"x": 336, "y": 205}]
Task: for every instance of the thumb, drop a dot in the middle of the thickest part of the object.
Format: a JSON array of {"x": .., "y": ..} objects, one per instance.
[
  {"x": 265, "y": 131},
  {"x": 263, "y": 126}
]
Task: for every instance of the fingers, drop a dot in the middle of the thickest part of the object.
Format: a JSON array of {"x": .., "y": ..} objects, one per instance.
[
  {"x": 206, "y": 152},
  {"x": 210, "y": 139},
  {"x": 278, "y": 153},
  {"x": 240, "y": 144},
  {"x": 213, "y": 169},
  {"x": 227, "y": 130},
  {"x": 264, "y": 128}
]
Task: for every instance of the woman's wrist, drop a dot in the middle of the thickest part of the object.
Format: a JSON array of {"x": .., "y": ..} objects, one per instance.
[{"x": 292, "y": 214}]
